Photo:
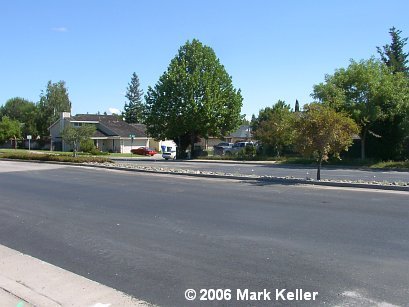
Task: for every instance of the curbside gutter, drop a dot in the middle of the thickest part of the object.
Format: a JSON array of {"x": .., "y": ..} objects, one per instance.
[{"x": 261, "y": 179}]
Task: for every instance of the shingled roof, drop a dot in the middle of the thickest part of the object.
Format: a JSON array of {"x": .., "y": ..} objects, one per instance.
[
  {"x": 244, "y": 131},
  {"x": 114, "y": 124}
]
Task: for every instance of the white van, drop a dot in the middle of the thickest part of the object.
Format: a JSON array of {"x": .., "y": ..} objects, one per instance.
[{"x": 169, "y": 152}]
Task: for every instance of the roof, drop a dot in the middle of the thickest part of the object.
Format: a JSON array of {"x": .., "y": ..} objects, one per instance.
[
  {"x": 98, "y": 134},
  {"x": 244, "y": 131},
  {"x": 113, "y": 123}
]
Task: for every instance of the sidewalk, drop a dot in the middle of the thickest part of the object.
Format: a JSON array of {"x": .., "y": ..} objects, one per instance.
[
  {"x": 27, "y": 281},
  {"x": 7, "y": 299}
]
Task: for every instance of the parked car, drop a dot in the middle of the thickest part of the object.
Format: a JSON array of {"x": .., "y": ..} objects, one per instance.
[
  {"x": 221, "y": 148},
  {"x": 144, "y": 151},
  {"x": 237, "y": 147}
]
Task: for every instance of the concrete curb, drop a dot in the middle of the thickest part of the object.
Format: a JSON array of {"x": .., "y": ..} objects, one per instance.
[
  {"x": 277, "y": 180},
  {"x": 40, "y": 283}
]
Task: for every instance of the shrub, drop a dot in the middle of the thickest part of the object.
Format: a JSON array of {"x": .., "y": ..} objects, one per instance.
[
  {"x": 87, "y": 146},
  {"x": 247, "y": 153},
  {"x": 51, "y": 157}
]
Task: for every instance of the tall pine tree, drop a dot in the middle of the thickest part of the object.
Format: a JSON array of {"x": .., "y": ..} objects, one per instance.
[
  {"x": 393, "y": 55},
  {"x": 297, "y": 106},
  {"x": 134, "y": 108}
]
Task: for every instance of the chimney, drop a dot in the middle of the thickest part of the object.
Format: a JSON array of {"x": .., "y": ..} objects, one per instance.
[{"x": 65, "y": 115}]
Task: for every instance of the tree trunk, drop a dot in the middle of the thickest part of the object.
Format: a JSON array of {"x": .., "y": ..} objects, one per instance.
[
  {"x": 74, "y": 150},
  {"x": 192, "y": 145},
  {"x": 319, "y": 167},
  {"x": 15, "y": 143},
  {"x": 363, "y": 139}
]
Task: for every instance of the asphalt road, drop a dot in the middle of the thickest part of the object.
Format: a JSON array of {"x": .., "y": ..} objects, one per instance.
[
  {"x": 154, "y": 236},
  {"x": 281, "y": 170}
]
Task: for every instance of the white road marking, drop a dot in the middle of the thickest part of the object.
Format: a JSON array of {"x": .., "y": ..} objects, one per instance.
[{"x": 354, "y": 298}]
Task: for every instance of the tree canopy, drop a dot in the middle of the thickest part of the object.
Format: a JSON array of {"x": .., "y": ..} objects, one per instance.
[
  {"x": 273, "y": 127},
  {"x": 73, "y": 136},
  {"x": 54, "y": 101},
  {"x": 9, "y": 129},
  {"x": 321, "y": 131},
  {"x": 194, "y": 98},
  {"x": 134, "y": 109},
  {"x": 23, "y": 111},
  {"x": 368, "y": 92}
]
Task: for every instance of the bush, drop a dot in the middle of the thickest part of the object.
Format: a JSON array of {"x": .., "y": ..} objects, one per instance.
[
  {"x": 247, "y": 153},
  {"x": 87, "y": 146},
  {"x": 51, "y": 157}
]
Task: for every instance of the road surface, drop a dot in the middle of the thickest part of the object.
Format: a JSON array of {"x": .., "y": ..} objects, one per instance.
[{"x": 154, "y": 236}]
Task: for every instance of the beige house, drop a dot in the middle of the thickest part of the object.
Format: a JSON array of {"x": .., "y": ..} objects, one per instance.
[{"x": 112, "y": 134}]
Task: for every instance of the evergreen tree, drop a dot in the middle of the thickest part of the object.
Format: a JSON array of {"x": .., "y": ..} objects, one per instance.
[
  {"x": 134, "y": 109},
  {"x": 393, "y": 55},
  {"x": 297, "y": 106}
]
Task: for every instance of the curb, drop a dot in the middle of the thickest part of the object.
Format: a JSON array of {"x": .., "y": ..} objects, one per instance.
[
  {"x": 278, "y": 180},
  {"x": 39, "y": 283}
]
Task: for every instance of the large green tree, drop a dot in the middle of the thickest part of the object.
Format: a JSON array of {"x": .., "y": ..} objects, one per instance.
[
  {"x": 321, "y": 132},
  {"x": 194, "y": 98},
  {"x": 274, "y": 126},
  {"x": 134, "y": 109},
  {"x": 393, "y": 55},
  {"x": 368, "y": 91},
  {"x": 9, "y": 129},
  {"x": 73, "y": 136},
  {"x": 23, "y": 111},
  {"x": 52, "y": 102}
]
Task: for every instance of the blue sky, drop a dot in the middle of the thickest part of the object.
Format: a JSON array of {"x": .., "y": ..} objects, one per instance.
[{"x": 272, "y": 49}]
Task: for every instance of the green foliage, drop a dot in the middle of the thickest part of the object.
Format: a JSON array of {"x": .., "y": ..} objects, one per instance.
[
  {"x": 54, "y": 101},
  {"x": 134, "y": 110},
  {"x": 9, "y": 129},
  {"x": 274, "y": 126},
  {"x": 368, "y": 91},
  {"x": 23, "y": 111},
  {"x": 53, "y": 157},
  {"x": 74, "y": 136},
  {"x": 194, "y": 97},
  {"x": 393, "y": 55},
  {"x": 247, "y": 153},
  {"x": 87, "y": 145},
  {"x": 321, "y": 132}
]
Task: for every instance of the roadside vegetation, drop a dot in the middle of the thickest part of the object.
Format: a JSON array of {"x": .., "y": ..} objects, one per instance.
[
  {"x": 25, "y": 155},
  {"x": 364, "y": 106}
]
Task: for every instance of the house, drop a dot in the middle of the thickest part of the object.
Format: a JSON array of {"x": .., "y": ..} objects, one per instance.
[
  {"x": 243, "y": 133},
  {"x": 112, "y": 134}
]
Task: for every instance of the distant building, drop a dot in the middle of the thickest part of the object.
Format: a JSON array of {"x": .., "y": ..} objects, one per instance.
[{"x": 112, "y": 134}]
